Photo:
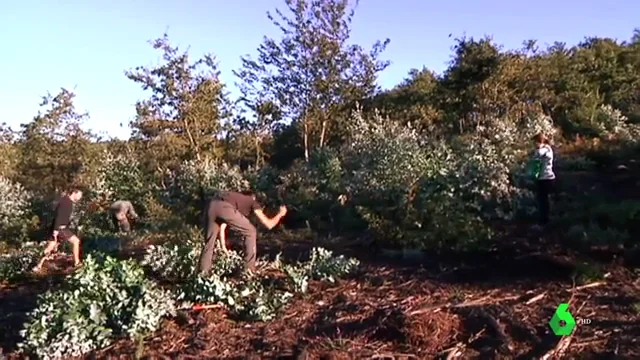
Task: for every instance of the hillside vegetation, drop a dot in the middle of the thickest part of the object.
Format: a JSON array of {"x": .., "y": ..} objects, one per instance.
[{"x": 409, "y": 232}]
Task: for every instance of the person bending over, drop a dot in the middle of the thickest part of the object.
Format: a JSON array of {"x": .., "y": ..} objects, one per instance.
[
  {"x": 60, "y": 231},
  {"x": 120, "y": 212},
  {"x": 234, "y": 208}
]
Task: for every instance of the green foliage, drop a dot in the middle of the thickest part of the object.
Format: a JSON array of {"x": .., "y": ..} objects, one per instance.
[
  {"x": 17, "y": 264},
  {"x": 16, "y": 219},
  {"x": 182, "y": 116},
  {"x": 197, "y": 180},
  {"x": 101, "y": 301},
  {"x": 594, "y": 234},
  {"x": 54, "y": 151},
  {"x": 120, "y": 177},
  {"x": 250, "y": 297},
  {"x": 99, "y": 242},
  {"x": 311, "y": 73}
]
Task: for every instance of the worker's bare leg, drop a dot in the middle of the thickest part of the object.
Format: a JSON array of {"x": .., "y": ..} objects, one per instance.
[
  {"x": 52, "y": 246},
  {"x": 75, "y": 248}
]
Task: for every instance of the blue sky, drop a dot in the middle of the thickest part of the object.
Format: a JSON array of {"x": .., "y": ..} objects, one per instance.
[{"x": 87, "y": 45}]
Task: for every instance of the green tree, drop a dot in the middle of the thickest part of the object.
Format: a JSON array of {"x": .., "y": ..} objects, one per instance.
[
  {"x": 181, "y": 120},
  {"x": 8, "y": 152},
  {"x": 54, "y": 150},
  {"x": 311, "y": 74},
  {"x": 411, "y": 101}
]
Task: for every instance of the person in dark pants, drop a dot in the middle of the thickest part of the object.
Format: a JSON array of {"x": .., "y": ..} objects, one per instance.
[
  {"x": 59, "y": 230},
  {"x": 233, "y": 209},
  {"x": 545, "y": 179},
  {"x": 120, "y": 211}
]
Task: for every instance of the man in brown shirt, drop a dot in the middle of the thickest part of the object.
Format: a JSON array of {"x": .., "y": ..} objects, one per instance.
[
  {"x": 234, "y": 208},
  {"x": 60, "y": 231}
]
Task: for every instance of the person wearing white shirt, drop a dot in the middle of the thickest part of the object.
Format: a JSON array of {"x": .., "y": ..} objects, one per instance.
[{"x": 546, "y": 177}]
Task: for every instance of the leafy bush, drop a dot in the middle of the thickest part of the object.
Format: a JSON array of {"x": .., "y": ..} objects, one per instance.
[
  {"x": 593, "y": 234},
  {"x": 195, "y": 181},
  {"x": 322, "y": 266},
  {"x": 15, "y": 215},
  {"x": 20, "y": 262},
  {"x": 97, "y": 241},
  {"x": 310, "y": 190},
  {"x": 120, "y": 177},
  {"x": 415, "y": 191},
  {"x": 99, "y": 302},
  {"x": 256, "y": 297},
  {"x": 574, "y": 163},
  {"x": 611, "y": 123}
]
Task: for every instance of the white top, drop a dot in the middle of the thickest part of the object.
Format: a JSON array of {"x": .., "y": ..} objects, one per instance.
[{"x": 545, "y": 155}]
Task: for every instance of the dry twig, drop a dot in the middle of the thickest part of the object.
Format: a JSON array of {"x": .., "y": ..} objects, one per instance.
[
  {"x": 486, "y": 300},
  {"x": 536, "y": 298}
]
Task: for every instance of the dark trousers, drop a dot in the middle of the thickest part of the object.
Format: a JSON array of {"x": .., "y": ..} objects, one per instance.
[
  {"x": 544, "y": 190},
  {"x": 217, "y": 212},
  {"x": 121, "y": 225}
]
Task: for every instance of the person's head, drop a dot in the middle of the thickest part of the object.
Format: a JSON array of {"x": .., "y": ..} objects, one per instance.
[
  {"x": 540, "y": 139},
  {"x": 74, "y": 193}
]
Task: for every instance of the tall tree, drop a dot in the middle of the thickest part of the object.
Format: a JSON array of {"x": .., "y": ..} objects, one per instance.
[
  {"x": 411, "y": 101},
  {"x": 183, "y": 117},
  {"x": 312, "y": 72},
  {"x": 54, "y": 150},
  {"x": 8, "y": 151}
]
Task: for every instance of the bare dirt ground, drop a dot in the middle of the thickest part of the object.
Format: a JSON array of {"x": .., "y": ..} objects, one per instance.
[{"x": 495, "y": 306}]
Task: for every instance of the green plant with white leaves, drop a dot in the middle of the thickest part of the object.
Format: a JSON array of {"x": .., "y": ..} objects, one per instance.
[
  {"x": 20, "y": 262},
  {"x": 120, "y": 177},
  {"x": 610, "y": 122},
  {"x": 15, "y": 214},
  {"x": 172, "y": 261},
  {"x": 251, "y": 297},
  {"x": 197, "y": 180},
  {"x": 101, "y": 301},
  {"x": 323, "y": 265}
]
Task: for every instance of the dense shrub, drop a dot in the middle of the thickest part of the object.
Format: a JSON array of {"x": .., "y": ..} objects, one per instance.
[
  {"x": 195, "y": 181},
  {"x": 418, "y": 191},
  {"x": 16, "y": 218},
  {"x": 251, "y": 298},
  {"x": 120, "y": 177},
  {"x": 101, "y": 301},
  {"x": 611, "y": 123},
  {"x": 20, "y": 262},
  {"x": 259, "y": 298}
]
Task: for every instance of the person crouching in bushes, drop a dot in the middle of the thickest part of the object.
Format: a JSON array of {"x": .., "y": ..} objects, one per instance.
[
  {"x": 542, "y": 172},
  {"x": 60, "y": 231},
  {"x": 233, "y": 209}
]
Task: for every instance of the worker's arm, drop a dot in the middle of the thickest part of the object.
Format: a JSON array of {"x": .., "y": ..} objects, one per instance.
[
  {"x": 132, "y": 211},
  {"x": 270, "y": 223}
]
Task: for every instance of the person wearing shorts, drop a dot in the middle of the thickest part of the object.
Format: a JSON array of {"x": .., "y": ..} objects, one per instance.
[
  {"x": 233, "y": 209},
  {"x": 60, "y": 231}
]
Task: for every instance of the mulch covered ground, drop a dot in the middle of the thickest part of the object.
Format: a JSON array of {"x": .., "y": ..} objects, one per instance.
[{"x": 496, "y": 308}]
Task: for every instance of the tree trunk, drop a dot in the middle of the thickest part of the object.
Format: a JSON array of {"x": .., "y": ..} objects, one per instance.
[
  {"x": 258, "y": 152},
  {"x": 306, "y": 140},
  {"x": 322, "y": 133}
]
